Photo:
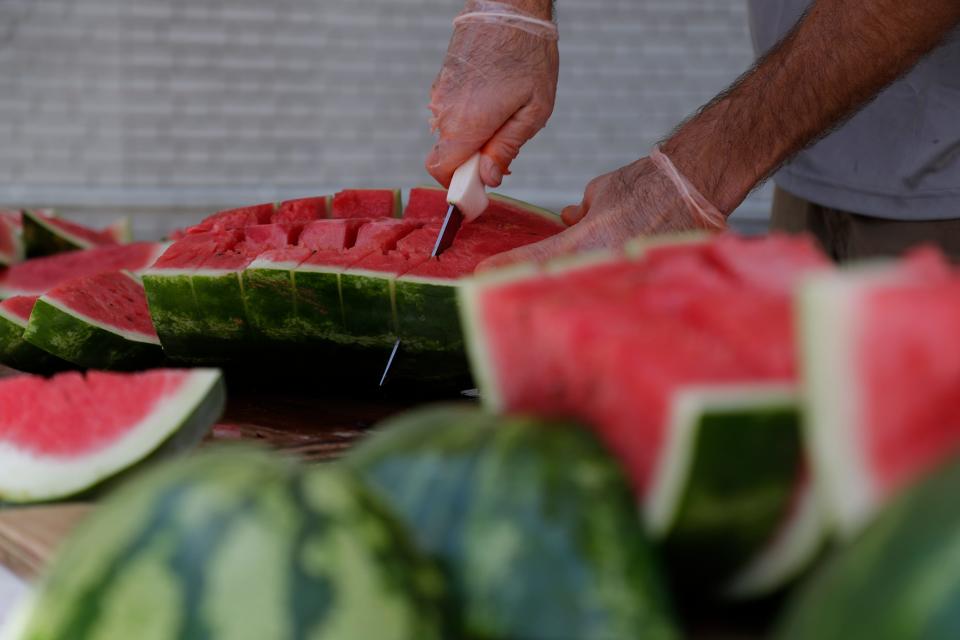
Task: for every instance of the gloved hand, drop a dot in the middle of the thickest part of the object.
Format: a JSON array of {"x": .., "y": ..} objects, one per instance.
[
  {"x": 496, "y": 88},
  {"x": 644, "y": 198}
]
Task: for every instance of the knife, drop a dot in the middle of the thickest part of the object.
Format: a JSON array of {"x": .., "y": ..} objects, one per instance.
[{"x": 467, "y": 198}]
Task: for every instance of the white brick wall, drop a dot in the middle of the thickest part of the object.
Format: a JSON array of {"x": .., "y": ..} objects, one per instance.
[{"x": 165, "y": 104}]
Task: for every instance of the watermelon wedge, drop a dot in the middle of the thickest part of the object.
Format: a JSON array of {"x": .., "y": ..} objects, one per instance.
[
  {"x": 11, "y": 238},
  {"x": 97, "y": 322},
  {"x": 867, "y": 332},
  {"x": 64, "y": 435},
  {"x": 355, "y": 282},
  {"x": 45, "y": 235},
  {"x": 15, "y": 351},
  {"x": 682, "y": 357},
  {"x": 36, "y": 277}
]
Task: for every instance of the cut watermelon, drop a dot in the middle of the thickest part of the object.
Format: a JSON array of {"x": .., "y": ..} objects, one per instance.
[
  {"x": 338, "y": 283},
  {"x": 622, "y": 344},
  {"x": 15, "y": 351},
  {"x": 64, "y": 435},
  {"x": 303, "y": 210},
  {"x": 97, "y": 322},
  {"x": 36, "y": 277},
  {"x": 367, "y": 203},
  {"x": 866, "y": 332},
  {"x": 11, "y": 238},
  {"x": 46, "y": 235}
]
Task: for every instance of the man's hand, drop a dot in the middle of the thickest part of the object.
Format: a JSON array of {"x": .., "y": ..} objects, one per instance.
[
  {"x": 495, "y": 91},
  {"x": 638, "y": 200},
  {"x": 836, "y": 59}
]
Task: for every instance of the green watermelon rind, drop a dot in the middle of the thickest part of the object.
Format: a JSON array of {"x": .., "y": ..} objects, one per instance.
[
  {"x": 270, "y": 298},
  {"x": 898, "y": 578},
  {"x": 17, "y": 353},
  {"x": 828, "y": 326},
  {"x": 89, "y": 343},
  {"x": 218, "y": 294},
  {"x": 177, "y": 423},
  {"x": 295, "y": 553},
  {"x": 44, "y": 239},
  {"x": 318, "y": 303},
  {"x": 367, "y": 299},
  {"x": 734, "y": 518},
  {"x": 174, "y": 310},
  {"x": 475, "y": 488}
]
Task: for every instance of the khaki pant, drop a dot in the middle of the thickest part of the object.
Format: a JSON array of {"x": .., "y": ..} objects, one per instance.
[{"x": 849, "y": 236}]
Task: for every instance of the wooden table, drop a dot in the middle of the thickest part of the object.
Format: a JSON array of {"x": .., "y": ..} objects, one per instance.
[{"x": 316, "y": 425}]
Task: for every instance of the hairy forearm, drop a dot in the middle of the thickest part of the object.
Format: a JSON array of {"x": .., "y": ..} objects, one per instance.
[{"x": 837, "y": 58}]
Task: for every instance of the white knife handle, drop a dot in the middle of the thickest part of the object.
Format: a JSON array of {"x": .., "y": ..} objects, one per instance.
[{"x": 467, "y": 190}]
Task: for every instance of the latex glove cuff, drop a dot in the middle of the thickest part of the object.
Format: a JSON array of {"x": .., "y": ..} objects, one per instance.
[
  {"x": 710, "y": 217},
  {"x": 507, "y": 15}
]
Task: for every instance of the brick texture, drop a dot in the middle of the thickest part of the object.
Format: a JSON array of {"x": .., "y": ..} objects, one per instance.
[{"x": 182, "y": 105}]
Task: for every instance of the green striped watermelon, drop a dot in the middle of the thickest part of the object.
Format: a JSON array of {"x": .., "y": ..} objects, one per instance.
[
  {"x": 238, "y": 544},
  {"x": 11, "y": 238},
  {"x": 900, "y": 578},
  {"x": 681, "y": 356},
  {"x": 533, "y": 522},
  {"x": 15, "y": 351}
]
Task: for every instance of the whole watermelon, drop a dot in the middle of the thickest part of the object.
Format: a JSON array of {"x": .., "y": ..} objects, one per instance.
[
  {"x": 234, "y": 545},
  {"x": 533, "y": 522},
  {"x": 899, "y": 579}
]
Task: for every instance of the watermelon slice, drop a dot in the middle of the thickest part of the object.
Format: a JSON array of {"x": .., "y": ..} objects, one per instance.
[
  {"x": 864, "y": 329},
  {"x": 11, "y": 238},
  {"x": 672, "y": 356},
  {"x": 64, "y": 435},
  {"x": 97, "y": 322},
  {"x": 15, "y": 351},
  {"x": 45, "y": 235},
  {"x": 330, "y": 284},
  {"x": 36, "y": 277}
]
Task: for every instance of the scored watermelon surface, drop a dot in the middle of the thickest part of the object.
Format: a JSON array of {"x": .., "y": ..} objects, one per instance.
[
  {"x": 63, "y": 435},
  {"x": 882, "y": 369},
  {"x": 36, "y": 277},
  {"x": 617, "y": 341},
  {"x": 358, "y": 280}
]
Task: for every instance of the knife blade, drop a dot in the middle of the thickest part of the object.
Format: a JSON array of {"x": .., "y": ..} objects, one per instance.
[
  {"x": 467, "y": 197},
  {"x": 451, "y": 224}
]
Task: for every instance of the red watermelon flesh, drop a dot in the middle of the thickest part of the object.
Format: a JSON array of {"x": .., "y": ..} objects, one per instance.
[
  {"x": 325, "y": 235},
  {"x": 504, "y": 216},
  {"x": 39, "y": 275},
  {"x": 11, "y": 248},
  {"x": 235, "y": 218},
  {"x": 61, "y": 435},
  {"x": 365, "y": 203},
  {"x": 610, "y": 343},
  {"x": 301, "y": 211},
  {"x": 883, "y": 379},
  {"x": 19, "y": 306},
  {"x": 374, "y": 237},
  {"x": 116, "y": 299},
  {"x": 428, "y": 204}
]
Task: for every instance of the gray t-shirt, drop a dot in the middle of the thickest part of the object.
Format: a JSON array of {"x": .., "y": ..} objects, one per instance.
[{"x": 899, "y": 158}]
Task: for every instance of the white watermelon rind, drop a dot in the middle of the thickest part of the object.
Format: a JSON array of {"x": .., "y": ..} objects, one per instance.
[
  {"x": 178, "y": 421},
  {"x": 828, "y": 326}
]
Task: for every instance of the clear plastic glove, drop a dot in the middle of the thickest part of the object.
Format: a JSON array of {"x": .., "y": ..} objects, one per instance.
[
  {"x": 496, "y": 89},
  {"x": 645, "y": 198}
]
